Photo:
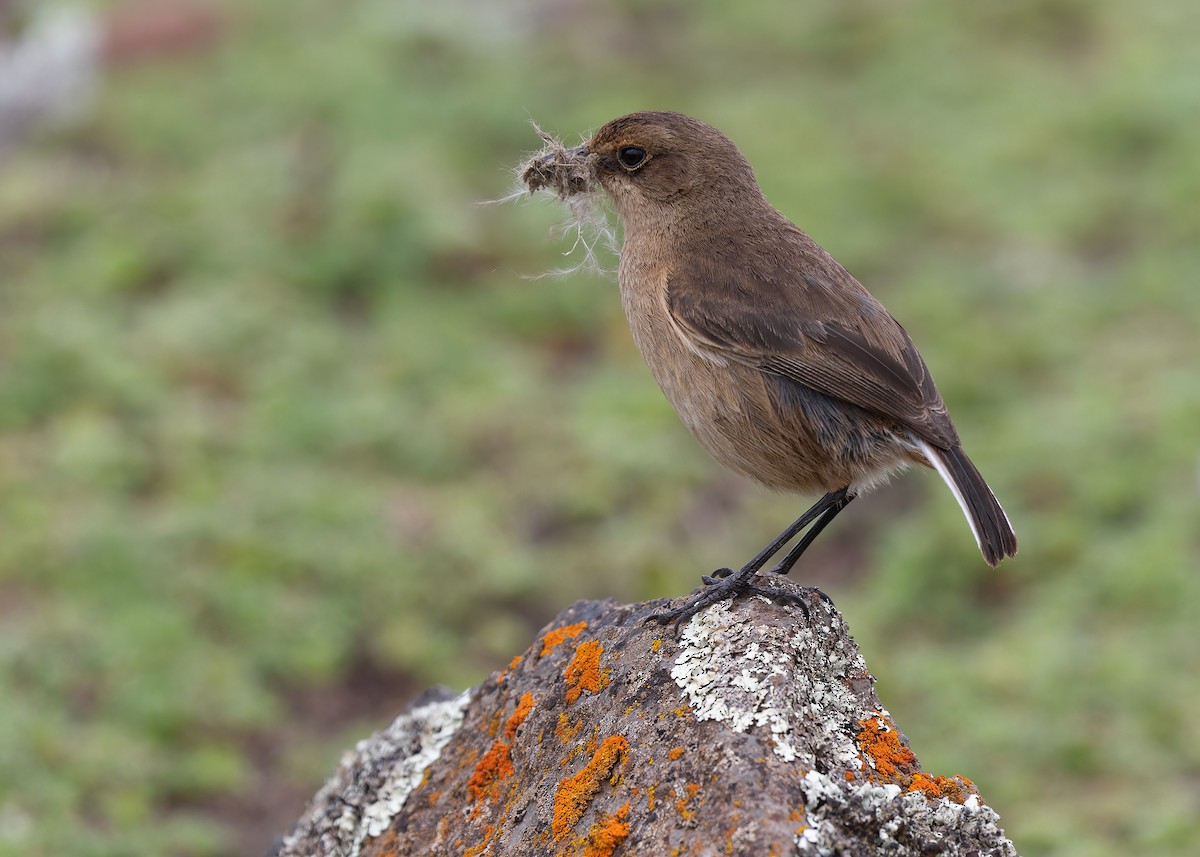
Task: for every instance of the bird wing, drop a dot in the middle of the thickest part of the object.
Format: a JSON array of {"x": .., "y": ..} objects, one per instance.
[{"x": 804, "y": 318}]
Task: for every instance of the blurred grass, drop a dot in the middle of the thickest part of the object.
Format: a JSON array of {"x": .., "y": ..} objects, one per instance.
[{"x": 276, "y": 403}]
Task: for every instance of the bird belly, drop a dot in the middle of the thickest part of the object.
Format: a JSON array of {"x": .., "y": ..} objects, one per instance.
[{"x": 735, "y": 416}]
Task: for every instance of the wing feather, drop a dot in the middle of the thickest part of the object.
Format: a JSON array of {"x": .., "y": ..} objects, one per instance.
[{"x": 805, "y": 318}]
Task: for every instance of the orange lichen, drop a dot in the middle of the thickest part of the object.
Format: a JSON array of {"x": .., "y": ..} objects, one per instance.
[
  {"x": 496, "y": 763},
  {"x": 957, "y": 789},
  {"x": 675, "y": 753},
  {"x": 650, "y": 798},
  {"x": 607, "y": 833},
  {"x": 495, "y": 766},
  {"x": 524, "y": 705},
  {"x": 388, "y": 848},
  {"x": 566, "y": 731},
  {"x": 577, "y": 747},
  {"x": 556, "y": 637},
  {"x": 512, "y": 665},
  {"x": 494, "y": 724},
  {"x": 888, "y": 759},
  {"x": 574, "y": 793},
  {"x": 478, "y": 850},
  {"x": 656, "y": 645},
  {"x": 681, "y": 803},
  {"x": 584, "y": 673}
]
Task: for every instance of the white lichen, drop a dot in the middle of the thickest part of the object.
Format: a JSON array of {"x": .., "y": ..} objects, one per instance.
[
  {"x": 728, "y": 675},
  {"x": 437, "y": 729},
  {"x": 375, "y": 779},
  {"x": 834, "y": 809}
]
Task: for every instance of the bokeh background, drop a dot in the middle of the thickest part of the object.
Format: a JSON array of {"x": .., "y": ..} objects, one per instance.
[{"x": 287, "y": 434}]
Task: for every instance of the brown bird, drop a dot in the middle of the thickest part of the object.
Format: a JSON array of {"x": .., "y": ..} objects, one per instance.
[{"x": 780, "y": 363}]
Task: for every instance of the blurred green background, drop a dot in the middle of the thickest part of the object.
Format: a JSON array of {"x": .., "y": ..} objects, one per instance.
[{"x": 287, "y": 435}]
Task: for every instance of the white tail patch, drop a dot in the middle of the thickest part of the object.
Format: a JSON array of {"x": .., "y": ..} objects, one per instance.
[{"x": 935, "y": 459}]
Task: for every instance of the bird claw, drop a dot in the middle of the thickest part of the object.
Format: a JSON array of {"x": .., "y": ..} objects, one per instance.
[
  {"x": 795, "y": 599},
  {"x": 716, "y": 577},
  {"x": 722, "y": 585},
  {"x": 730, "y": 587},
  {"x": 786, "y": 598}
]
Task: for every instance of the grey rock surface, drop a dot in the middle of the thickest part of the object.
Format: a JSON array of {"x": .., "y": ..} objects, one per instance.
[{"x": 756, "y": 731}]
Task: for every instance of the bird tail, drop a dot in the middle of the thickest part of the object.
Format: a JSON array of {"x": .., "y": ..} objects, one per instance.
[{"x": 993, "y": 532}]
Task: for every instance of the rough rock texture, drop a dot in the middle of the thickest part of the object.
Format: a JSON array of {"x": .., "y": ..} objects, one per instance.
[{"x": 756, "y": 731}]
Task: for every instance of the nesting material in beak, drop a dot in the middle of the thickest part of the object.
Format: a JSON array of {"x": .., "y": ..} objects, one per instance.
[
  {"x": 570, "y": 174},
  {"x": 564, "y": 171}
]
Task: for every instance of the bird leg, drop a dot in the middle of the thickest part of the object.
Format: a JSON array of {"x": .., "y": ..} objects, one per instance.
[
  {"x": 837, "y": 500},
  {"x": 724, "y": 583}
]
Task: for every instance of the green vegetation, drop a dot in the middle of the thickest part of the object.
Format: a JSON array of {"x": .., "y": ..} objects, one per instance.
[{"x": 277, "y": 408}]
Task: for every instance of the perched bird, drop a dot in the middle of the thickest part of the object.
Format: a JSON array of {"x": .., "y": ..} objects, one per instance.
[{"x": 780, "y": 363}]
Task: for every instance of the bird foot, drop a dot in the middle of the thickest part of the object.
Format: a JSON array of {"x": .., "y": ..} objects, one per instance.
[
  {"x": 792, "y": 597},
  {"x": 724, "y": 585}
]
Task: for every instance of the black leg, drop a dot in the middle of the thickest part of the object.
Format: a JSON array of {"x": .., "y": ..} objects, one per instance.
[
  {"x": 819, "y": 509},
  {"x": 724, "y": 584},
  {"x": 841, "y": 501}
]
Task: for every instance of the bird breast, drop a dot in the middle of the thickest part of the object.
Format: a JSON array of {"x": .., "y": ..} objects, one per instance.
[{"x": 727, "y": 406}]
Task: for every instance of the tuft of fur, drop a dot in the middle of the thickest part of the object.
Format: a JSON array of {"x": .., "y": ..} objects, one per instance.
[
  {"x": 572, "y": 179},
  {"x": 556, "y": 168}
]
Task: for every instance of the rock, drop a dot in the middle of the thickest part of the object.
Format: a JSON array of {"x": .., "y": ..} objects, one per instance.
[{"x": 757, "y": 731}]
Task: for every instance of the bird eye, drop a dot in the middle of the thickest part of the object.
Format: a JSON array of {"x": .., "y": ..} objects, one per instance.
[{"x": 631, "y": 157}]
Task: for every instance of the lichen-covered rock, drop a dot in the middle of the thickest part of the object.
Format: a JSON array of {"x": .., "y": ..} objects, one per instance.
[{"x": 757, "y": 731}]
